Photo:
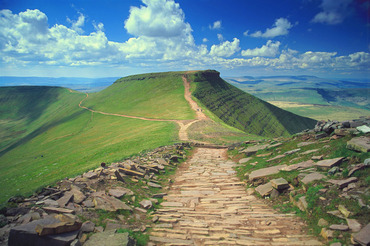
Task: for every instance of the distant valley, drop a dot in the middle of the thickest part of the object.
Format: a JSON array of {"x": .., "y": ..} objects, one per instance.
[{"x": 310, "y": 96}]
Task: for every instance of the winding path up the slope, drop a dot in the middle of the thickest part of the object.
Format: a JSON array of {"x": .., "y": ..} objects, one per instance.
[
  {"x": 183, "y": 124},
  {"x": 208, "y": 205}
]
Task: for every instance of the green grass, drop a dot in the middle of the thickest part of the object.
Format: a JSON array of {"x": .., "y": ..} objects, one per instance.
[
  {"x": 157, "y": 96},
  {"x": 244, "y": 111},
  {"x": 55, "y": 139},
  {"x": 76, "y": 146},
  {"x": 319, "y": 203}
]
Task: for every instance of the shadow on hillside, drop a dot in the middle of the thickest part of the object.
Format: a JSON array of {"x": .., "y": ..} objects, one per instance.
[
  {"x": 39, "y": 131},
  {"x": 36, "y": 99}
]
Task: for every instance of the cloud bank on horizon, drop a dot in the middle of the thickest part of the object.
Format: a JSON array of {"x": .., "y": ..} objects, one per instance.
[{"x": 161, "y": 39}]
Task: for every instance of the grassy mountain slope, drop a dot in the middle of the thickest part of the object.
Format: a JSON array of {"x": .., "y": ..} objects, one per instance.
[
  {"x": 46, "y": 137},
  {"x": 243, "y": 110},
  {"x": 155, "y": 95}
]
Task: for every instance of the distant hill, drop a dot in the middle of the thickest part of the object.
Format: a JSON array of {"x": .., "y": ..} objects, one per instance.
[
  {"x": 243, "y": 110},
  {"x": 75, "y": 83}
]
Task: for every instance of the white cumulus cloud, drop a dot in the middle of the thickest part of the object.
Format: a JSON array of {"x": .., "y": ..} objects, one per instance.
[
  {"x": 271, "y": 49},
  {"x": 333, "y": 12},
  {"x": 159, "y": 18},
  {"x": 281, "y": 27},
  {"x": 215, "y": 25},
  {"x": 225, "y": 49},
  {"x": 78, "y": 24}
]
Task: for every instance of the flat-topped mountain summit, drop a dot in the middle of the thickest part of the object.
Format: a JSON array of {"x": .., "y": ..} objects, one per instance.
[{"x": 49, "y": 133}]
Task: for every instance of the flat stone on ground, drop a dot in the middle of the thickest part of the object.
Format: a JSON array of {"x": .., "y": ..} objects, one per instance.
[
  {"x": 27, "y": 233},
  {"x": 265, "y": 189},
  {"x": 265, "y": 172},
  {"x": 244, "y": 160},
  {"x": 363, "y": 236},
  {"x": 312, "y": 177},
  {"x": 109, "y": 238},
  {"x": 279, "y": 184},
  {"x": 301, "y": 165},
  {"x": 343, "y": 183},
  {"x": 329, "y": 163},
  {"x": 360, "y": 144}
]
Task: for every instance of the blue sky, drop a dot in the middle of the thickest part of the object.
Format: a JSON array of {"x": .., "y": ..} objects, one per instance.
[{"x": 90, "y": 38}]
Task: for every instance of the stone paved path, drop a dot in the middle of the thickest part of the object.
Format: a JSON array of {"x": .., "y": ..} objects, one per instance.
[{"x": 208, "y": 205}]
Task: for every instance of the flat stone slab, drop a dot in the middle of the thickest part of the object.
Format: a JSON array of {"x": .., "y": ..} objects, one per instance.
[
  {"x": 276, "y": 157},
  {"x": 27, "y": 233},
  {"x": 279, "y": 184},
  {"x": 109, "y": 238},
  {"x": 363, "y": 129},
  {"x": 363, "y": 236},
  {"x": 329, "y": 163},
  {"x": 312, "y": 177},
  {"x": 253, "y": 149},
  {"x": 102, "y": 201},
  {"x": 58, "y": 210},
  {"x": 265, "y": 172},
  {"x": 265, "y": 189},
  {"x": 344, "y": 182},
  {"x": 360, "y": 144},
  {"x": 244, "y": 160},
  {"x": 172, "y": 204},
  {"x": 301, "y": 165}
]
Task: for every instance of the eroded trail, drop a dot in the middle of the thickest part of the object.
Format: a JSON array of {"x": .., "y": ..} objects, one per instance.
[
  {"x": 183, "y": 124},
  {"x": 208, "y": 205}
]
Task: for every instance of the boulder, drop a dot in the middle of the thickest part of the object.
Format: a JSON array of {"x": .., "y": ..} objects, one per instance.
[
  {"x": 27, "y": 235},
  {"x": 360, "y": 144}
]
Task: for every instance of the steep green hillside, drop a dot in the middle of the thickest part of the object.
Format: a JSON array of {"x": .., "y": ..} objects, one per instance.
[
  {"x": 46, "y": 137},
  {"x": 243, "y": 110},
  {"x": 154, "y": 95}
]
